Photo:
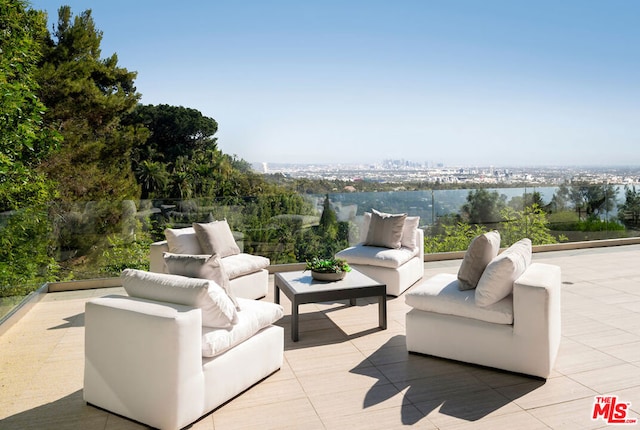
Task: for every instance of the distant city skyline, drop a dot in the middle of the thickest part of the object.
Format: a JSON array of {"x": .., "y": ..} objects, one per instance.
[
  {"x": 392, "y": 171},
  {"x": 464, "y": 82}
]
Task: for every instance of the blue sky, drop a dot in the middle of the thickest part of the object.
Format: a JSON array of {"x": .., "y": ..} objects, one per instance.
[{"x": 475, "y": 83}]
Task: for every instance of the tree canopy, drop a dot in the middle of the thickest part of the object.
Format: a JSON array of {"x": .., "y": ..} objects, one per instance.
[
  {"x": 629, "y": 211},
  {"x": 483, "y": 207},
  {"x": 24, "y": 140},
  {"x": 588, "y": 200},
  {"x": 86, "y": 98},
  {"x": 176, "y": 131}
]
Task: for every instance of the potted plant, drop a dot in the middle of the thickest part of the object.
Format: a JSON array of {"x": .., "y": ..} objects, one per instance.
[{"x": 328, "y": 269}]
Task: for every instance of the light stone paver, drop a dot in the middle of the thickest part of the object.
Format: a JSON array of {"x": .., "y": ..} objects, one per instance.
[{"x": 344, "y": 374}]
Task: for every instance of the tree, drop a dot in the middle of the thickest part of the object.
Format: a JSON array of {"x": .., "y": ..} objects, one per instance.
[
  {"x": 454, "y": 236},
  {"x": 328, "y": 227},
  {"x": 181, "y": 142},
  {"x": 86, "y": 98},
  {"x": 176, "y": 131},
  {"x": 527, "y": 199},
  {"x": 483, "y": 207},
  {"x": 24, "y": 140},
  {"x": 561, "y": 200},
  {"x": 593, "y": 200},
  {"x": 534, "y": 198},
  {"x": 152, "y": 176},
  {"x": 530, "y": 222},
  {"x": 24, "y": 192},
  {"x": 629, "y": 211}
]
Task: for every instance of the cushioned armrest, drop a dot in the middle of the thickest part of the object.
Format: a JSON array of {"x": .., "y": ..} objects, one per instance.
[
  {"x": 142, "y": 357},
  {"x": 536, "y": 302},
  {"x": 420, "y": 242},
  {"x": 156, "y": 257}
]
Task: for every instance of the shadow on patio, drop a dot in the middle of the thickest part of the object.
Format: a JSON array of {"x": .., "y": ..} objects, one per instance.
[{"x": 431, "y": 383}]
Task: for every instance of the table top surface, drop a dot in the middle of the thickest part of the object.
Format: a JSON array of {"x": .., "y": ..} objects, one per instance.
[{"x": 300, "y": 282}]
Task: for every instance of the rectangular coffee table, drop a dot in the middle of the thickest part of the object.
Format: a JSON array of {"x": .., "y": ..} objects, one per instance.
[{"x": 301, "y": 288}]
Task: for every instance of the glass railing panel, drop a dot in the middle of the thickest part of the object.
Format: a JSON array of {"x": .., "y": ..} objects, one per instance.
[
  {"x": 81, "y": 240},
  {"x": 563, "y": 214}
]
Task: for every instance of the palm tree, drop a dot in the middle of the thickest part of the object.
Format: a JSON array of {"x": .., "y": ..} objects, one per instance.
[
  {"x": 152, "y": 176},
  {"x": 182, "y": 179}
]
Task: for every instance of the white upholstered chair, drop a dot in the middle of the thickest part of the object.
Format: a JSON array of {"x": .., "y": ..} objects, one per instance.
[
  {"x": 500, "y": 311},
  {"x": 391, "y": 250},
  {"x": 175, "y": 348},
  {"x": 180, "y": 252}
]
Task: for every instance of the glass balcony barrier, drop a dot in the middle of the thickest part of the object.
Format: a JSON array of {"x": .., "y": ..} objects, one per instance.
[{"x": 89, "y": 240}]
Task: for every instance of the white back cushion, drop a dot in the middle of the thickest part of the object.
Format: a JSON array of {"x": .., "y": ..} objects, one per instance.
[
  {"x": 497, "y": 279},
  {"x": 200, "y": 266},
  {"x": 217, "y": 308},
  {"x": 481, "y": 251},
  {"x": 216, "y": 238},
  {"x": 408, "y": 239},
  {"x": 182, "y": 241},
  {"x": 409, "y": 232},
  {"x": 385, "y": 230}
]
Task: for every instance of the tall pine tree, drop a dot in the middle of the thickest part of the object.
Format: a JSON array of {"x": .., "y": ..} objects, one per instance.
[{"x": 86, "y": 98}]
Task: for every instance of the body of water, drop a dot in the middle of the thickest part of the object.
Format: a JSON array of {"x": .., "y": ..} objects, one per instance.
[{"x": 429, "y": 204}]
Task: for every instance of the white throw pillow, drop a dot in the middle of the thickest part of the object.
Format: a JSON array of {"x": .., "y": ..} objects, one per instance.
[
  {"x": 481, "y": 251},
  {"x": 385, "y": 230},
  {"x": 366, "y": 220},
  {"x": 409, "y": 232},
  {"x": 497, "y": 279},
  {"x": 216, "y": 238},
  {"x": 217, "y": 308},
  {"x": 408, "y": 239},
  {"x": 182, "y": 241},
  {"x": 200, "y": 266},
  {"x": 188, "y": 265}
]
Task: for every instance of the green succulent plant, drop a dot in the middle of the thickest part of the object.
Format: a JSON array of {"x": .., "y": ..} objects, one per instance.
[{"x": 328, "y": 265}]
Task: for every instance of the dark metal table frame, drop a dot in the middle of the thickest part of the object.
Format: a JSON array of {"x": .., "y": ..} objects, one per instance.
[{"x": 301, "y": 288}]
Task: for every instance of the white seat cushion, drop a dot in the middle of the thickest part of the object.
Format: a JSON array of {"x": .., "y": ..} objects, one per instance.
[
  {"x": 376, "y": 256},
  {"x": 440, "y": 294},
  {"x": 254, "y": 316},
  {"x": 243, "y": 264}
]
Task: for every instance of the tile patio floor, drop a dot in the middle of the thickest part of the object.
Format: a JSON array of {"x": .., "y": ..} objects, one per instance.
[{"x": 346, "y": 373}]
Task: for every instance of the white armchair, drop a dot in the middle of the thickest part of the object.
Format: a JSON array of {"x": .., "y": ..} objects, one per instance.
[
  {"x": 394, "y": 256},
  {"x": 509, "y": 321},
  {"x": 151, "y": 358},
  {"x": 248, "y": 274}
]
